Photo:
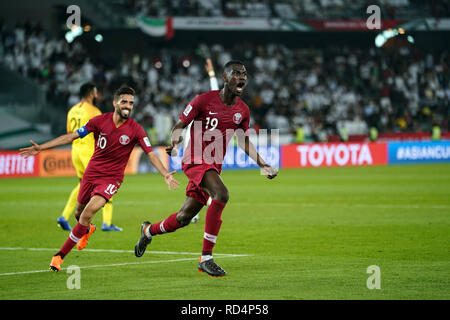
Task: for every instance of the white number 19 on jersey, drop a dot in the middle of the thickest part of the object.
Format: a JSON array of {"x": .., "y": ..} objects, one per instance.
[{"x": 211, "y": 121}]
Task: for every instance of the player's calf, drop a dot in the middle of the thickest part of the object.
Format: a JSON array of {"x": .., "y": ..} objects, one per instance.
[{"x": 184, "y": 218}]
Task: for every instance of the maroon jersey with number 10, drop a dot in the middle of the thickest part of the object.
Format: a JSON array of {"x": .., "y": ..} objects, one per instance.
[{"x": 113, "y": 147}]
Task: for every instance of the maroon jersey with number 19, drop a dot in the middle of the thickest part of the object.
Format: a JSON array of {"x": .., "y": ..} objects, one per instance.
[
  {"x": 113, "y": 147},
  {"x": 214, "y": 125}
]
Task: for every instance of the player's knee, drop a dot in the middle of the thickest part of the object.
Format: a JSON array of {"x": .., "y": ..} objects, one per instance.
[
  {"x": 222, "y": 195},
  {"x": 77, "y": 213},
  {"x": 85, "y": 219},
  {"x": 86, "y": 214}
]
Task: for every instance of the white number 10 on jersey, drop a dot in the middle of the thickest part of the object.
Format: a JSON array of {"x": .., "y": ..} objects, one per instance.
[
  {"x": 111, "y": 189},
  {"x": 101, "y": 143}
]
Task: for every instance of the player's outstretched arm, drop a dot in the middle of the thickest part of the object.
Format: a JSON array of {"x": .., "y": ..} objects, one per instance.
[
  {"x": 171, "y": 182},
  {"x": 248, "y": 147},
  {"x": 60, "y": 141}
]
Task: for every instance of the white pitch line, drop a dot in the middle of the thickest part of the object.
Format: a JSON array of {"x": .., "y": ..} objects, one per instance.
[
  {"x": 110, "y": 265},
  {"x": 123, "y": 251},
  {"x": 101, "y": 266},
  {"x": 222, "y": 255}
]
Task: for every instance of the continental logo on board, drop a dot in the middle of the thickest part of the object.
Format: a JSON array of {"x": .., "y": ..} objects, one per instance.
[{"x": 56, "y": 163}]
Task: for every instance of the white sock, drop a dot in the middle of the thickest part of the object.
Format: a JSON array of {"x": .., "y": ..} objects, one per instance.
[{"x": 204, "y": 258}]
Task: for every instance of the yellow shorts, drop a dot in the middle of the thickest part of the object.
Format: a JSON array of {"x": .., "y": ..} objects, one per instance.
[{"x": 80, "y": 162}]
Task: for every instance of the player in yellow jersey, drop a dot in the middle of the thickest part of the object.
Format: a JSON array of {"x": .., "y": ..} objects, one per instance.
[{"x": 82, "y": 150}]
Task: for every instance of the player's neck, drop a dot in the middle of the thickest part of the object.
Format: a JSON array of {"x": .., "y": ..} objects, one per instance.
[
  {"x": 118, "y": 120},
  {"x": 87, "y": 100},
  {"x": 227, "y": 97}
]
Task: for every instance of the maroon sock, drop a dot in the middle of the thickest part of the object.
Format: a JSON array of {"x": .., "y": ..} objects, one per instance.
[
  {"x": 168, "y": 225},
  {"x": 212, "y": 226},
  {"x": 77, "y": 232}
]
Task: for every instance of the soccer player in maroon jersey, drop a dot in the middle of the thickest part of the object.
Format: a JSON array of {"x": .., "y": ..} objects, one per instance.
[
  {"x": 115, "y": 134},
  {"x": 217, "y": 116}
]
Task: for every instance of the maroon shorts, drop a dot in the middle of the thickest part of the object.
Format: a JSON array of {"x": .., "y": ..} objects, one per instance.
[
  {"x": 89, "y": 189},
  {"x": 195, "y": 175}
]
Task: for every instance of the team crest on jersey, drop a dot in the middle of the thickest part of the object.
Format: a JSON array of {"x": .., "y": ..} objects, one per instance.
[
  {"x": 124, "y": 139},
  {"x": 237, "y": 118}
]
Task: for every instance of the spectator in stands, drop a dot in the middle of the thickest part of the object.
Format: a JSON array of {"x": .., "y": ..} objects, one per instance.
[{"x": 323, "y": 90}]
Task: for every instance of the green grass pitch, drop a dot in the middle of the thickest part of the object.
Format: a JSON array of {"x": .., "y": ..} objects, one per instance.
[{"x": 308, "y": 234}]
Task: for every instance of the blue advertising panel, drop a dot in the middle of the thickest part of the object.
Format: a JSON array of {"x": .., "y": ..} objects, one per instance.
[{"x": 418, "y": 152}]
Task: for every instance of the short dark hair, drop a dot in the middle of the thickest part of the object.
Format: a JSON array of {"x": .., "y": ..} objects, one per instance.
[
  {"x": 86, "y": 89},
  {"x": 232, "y": 63},
  {"x": 123, "y": 90}
]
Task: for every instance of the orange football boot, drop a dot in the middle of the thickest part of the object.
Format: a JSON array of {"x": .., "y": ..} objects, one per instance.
[
  {"x": 84, "y": 239},
  {"x": 55, "y": 264}
]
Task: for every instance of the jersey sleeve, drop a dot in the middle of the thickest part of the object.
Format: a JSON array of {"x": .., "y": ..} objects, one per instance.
[
  {"x": 90, "y": 126},
  {"x": 143, "y": 140},
  {"x": 191, "y": 111}
]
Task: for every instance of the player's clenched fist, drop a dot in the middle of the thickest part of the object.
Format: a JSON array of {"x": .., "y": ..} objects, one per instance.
[
  {"x": 172, "y": 149},
  {"x": 269, "y": 171}
]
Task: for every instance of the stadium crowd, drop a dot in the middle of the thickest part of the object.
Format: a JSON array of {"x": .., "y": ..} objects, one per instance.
[
  {"x": 288, "y": 9},
  {"x": 321, "y": 90}
]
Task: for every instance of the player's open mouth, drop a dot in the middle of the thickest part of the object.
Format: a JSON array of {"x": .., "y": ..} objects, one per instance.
[{"x": 240, "y": 86}]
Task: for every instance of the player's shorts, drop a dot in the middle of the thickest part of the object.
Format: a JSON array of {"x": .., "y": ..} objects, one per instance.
[
  {"x": 89, "y": 189},
  {"x": 80, "y": 161},
  {"x": 195, "y": 175}
]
